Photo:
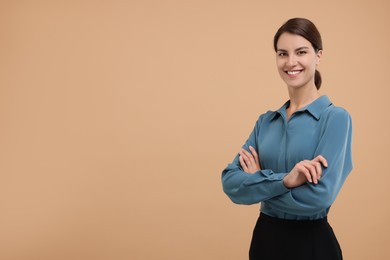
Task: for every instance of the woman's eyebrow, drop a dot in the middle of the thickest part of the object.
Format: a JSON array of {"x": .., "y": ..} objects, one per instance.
[{"x": 298, "y": 49}]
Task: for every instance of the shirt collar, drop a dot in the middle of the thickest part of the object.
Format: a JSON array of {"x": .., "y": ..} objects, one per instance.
[{"x": 315, "y": 108}]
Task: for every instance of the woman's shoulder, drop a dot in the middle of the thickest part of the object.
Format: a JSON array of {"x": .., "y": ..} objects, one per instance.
[
  {"x": 336, "y": 111},
  {"x": 336, "y": 116},
  {"x": 269, "y": 115}
]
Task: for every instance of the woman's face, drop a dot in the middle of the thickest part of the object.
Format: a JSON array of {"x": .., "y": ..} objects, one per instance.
[{"x": 296, "y": 60}]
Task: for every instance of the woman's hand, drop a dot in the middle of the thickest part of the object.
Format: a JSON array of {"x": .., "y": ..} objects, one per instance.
[
  {"x": 307, "y": 170},
  {"x": 249, "y": 161}
]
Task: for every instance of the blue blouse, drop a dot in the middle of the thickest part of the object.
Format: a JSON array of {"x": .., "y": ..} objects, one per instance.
[{"x": 317, "y": 129}]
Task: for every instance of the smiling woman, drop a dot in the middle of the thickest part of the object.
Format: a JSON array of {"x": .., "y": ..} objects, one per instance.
[
  {"x": 296, "y": 159},
  {"x": 304, "y": 33}
]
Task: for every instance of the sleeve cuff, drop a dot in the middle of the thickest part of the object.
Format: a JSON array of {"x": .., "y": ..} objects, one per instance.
[{"x": 275, "y": 184}]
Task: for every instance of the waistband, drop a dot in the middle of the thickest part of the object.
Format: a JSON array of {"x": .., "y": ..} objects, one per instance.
[{"x": 288, "y": 222}]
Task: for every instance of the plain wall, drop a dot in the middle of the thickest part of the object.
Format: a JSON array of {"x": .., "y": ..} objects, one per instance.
[{"x": 117, "y": 118}]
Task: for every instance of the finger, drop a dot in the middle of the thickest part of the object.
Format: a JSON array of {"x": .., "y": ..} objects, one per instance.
[
  {"x": 247, "y": 154},
  {"x": 306, "y": 172},
  {"x": 249, "y": 157},
  {"x": 319, "y": 169},
  {"x": 245, "y": 158},
  {"x": 312, "y": 171},
  {"x": 303, "y": 170},
  {"x": 316, "y": 169},
  {"x": 322, "y": 160},
  {"x": 254, "y": 153},
  {"x": 243, "y": 165},
  {"x": 256, "y": 156}
]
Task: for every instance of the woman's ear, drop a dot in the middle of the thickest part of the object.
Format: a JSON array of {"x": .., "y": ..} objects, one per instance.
[{"x": 318, "y": 56}]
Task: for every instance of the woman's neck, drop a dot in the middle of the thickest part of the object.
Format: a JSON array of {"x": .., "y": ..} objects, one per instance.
[{"x": 301, "y": 97}]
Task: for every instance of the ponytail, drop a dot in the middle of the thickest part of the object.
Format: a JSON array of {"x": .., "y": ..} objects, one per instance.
[{"x": 317, "y": 79}]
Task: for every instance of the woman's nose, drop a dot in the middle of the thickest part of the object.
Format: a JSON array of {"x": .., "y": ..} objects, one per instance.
[{"x": 291, "y": 61}]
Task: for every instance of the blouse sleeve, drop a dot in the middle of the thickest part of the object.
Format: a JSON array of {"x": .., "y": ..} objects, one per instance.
[
  {"x": 245, "y": 188},
  {"x": 335, "y": 146}
]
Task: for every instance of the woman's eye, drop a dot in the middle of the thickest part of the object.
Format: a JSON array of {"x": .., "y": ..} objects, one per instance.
[
  {"x": 301, "y": 53},
  {"x": 282, "y": 54}
]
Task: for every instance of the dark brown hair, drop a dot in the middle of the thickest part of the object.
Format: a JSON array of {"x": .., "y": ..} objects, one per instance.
[{"x": 305, "y": 28}]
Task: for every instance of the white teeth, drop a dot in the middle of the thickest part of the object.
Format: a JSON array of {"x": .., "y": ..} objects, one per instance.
[{"x": 293, "y": 72}]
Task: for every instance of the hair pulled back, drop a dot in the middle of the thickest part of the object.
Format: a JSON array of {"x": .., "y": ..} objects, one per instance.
[{"x": 305, "y": 28}]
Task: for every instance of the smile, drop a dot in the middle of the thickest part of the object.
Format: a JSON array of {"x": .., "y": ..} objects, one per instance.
[{"x": 293, "y": 72}]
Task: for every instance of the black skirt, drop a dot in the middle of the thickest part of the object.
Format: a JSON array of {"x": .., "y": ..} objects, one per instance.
[{"x": 278, "y": 239}]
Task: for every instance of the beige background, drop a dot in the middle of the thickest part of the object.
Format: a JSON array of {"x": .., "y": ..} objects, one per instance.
[{"x": 117, "y": 118}]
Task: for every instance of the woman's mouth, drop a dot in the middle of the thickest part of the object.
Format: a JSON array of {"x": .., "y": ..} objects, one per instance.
[{"x": 293, "y": 72}]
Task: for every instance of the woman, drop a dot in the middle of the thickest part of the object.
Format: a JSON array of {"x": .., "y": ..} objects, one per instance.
[{"x": 296, "y": 159}]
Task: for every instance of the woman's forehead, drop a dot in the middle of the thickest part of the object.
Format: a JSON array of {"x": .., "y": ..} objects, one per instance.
[{"x": 288, "y": 41}]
